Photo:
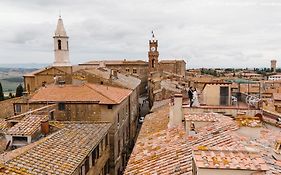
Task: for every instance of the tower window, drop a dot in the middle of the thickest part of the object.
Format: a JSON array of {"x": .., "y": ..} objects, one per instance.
[
  {"x": 153, "y": 63},
  {"x": 67, "y": 45},
  {"x": 59, "y": 44}
]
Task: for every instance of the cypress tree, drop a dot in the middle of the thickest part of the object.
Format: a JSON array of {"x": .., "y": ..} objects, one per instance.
[
  {"x": 19, "y": 91},
  {"x": 1, "y": 92}
]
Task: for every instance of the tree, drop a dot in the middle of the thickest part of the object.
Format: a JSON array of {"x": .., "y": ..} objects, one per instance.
[
  {"x": 11, "y": 95},
  {"x": 1, "y": 92},
  {"x": 19, "y": 91}
]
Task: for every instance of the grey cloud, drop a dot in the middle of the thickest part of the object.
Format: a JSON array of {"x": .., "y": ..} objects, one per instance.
[{"x": 215, "y": 33}]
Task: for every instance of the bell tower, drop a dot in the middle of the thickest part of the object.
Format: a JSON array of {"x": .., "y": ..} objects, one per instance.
[
  {"x": 153, "y": 54},
  {"x": 61, "y": 46}
]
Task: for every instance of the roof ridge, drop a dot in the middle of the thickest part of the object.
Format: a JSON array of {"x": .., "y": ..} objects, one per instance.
[{"x": 87, "y": 85}]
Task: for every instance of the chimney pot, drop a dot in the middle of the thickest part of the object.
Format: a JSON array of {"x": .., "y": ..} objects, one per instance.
[{"x": 45, "y": 127}]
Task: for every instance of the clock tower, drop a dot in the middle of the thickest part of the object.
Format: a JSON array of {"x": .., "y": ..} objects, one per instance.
[{"x": 153, "y": 54}]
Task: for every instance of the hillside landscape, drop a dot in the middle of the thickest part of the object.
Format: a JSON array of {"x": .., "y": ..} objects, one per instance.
[{"x": 10, "y": 78}]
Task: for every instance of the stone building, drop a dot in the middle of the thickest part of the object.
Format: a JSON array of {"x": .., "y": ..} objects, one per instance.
[
  {"x": 49, "y": 75},
  {"x": 216, "y": 94},
  {"x": 92, "y": 102},
  {"x": 137, "y": 68},
  {"x": 173, "y": 66},
  {"x": 76, "y": 148},
  {"x": 109, "y": 77}
]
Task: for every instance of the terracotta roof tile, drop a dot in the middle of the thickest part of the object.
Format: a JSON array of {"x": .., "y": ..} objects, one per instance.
[
  {"x": 226, "y": 159},
  {"x": 81, "y": 93},
  {"x": 3, "y": 125},
  {"x": 122, "y": 80},
  {"x": 159, "y": 148},
  {"x": 61, "y": 152},
  {"x": 277, "y": 96},
  {"x": 29, "y": 125},
  {"x": 205, "y": 117}
]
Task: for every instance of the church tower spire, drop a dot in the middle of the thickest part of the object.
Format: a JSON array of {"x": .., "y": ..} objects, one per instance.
[
  {"x": 61, "y": 45},
  {"x": 153, "y": 54}
]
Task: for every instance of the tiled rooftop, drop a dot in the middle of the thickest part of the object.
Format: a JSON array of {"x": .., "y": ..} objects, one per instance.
[
  {"x": 205, "y": 117},
  {"x": 277, "y": 96},
  {"x": 86, "y": 93},
  {"x": 59, "y": 153},
  {"x": 116, "y": 62},
  {"x": 3, "y": 125},
  {"x": 226, "y": 159},
  {"x": 169, "y": 151},
  {"x": 122, "y": 80},
  {"x": 28, "y": 125},
  {"x": 161, "y": 153}
]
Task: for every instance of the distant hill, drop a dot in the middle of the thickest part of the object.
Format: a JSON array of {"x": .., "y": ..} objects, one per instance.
[
  {"x": 11, "y": 75},
  {"x": 25, "y": 65}
]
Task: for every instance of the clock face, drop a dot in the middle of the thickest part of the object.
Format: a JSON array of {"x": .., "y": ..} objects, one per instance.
[{"x": 152, "y": 48}]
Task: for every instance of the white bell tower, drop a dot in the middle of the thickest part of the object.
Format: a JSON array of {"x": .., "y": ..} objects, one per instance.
[{"x": 61, "y": 46}]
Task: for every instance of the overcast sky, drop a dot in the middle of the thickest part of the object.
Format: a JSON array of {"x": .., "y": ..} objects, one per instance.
[{"x": 206, "y": 33}]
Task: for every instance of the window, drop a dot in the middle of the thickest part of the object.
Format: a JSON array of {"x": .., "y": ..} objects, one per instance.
[
  {"x": 106, "y": 168},
  {"x": 102, "y": 148},
  {"x": 44, "y": 84},
  {"x": 20, "y": 139},
  {"x": 118, "y": 148},
  {"x": 126, "y": 109},
  {"x": 82, "y": 170},
  {"x": 67, "y": 45},
  {"x": 106, "y": 140},
  {"x": 87, "y": 165},
  {"x": 17, "y": 108},
  {"x": 134, "y": 71},
  {"x": 98, "y": 151},
  {"x": 94, "y": 155},
  {"x": 124, "y": 137},
  {"x": 152, "y": 63},
  {"x": 59, "y": 44},
  {"x": 109, "y": 106},
  {"x": 61, "y": 106},
  {"x": 52, "y": 115},
  {"x": 118, "y": 119},
  {"x": 101, "y": 82},
  {"x": 127, "y": 70}
]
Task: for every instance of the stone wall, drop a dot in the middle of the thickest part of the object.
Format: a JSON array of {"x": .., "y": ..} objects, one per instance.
[{"x": 7, "y": 107}]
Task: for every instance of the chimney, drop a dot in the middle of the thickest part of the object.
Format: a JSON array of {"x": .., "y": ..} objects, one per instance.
[
  {"x": 176, "y": 114},
  {"x": 115, "y": 73},
  {"x": 45, "y": 127},
  {"x": 101, "y": 64}
]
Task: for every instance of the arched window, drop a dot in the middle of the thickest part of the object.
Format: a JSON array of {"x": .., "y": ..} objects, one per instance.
[
  {"x": 59, "y": 44},
  {"x": 153, "y": 63}
]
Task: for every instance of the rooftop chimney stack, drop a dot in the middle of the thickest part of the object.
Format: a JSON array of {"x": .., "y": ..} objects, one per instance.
[
  {"x": 176, "y": 113},
  {"x": 115, "y": 73},
  {"x": 45, "y": 127}
]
